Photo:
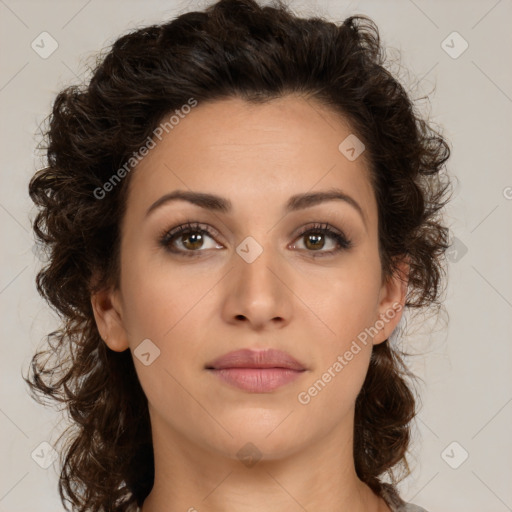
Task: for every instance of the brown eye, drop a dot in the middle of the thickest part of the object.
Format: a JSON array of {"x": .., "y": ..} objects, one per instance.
[
  {"x": 188, "y": 239},
  {"x": 192, "y": 240},
  {"x": 315, "y": 239}
]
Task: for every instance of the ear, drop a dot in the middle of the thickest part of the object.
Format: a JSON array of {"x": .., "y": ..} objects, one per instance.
[
  {"x": 106, "y": 305},
  {"x": 392, "y": 301}
]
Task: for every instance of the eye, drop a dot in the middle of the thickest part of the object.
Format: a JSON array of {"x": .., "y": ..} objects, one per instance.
[
  {"x": 315, "y": 236},
  {"x": 192, "y": 238},
  {"x": 188, "y": 239}
]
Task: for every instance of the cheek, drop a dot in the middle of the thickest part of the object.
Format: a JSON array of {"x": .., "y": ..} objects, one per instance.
[
  {"x": 347, "y": 306},
  {"x": 346, "y": 300},
  {"x": 329, "y": 397},
  {"x": 160, "y": 298},
  {"x": 167, "y": 307},
  {"x": 171, "y": 308}
]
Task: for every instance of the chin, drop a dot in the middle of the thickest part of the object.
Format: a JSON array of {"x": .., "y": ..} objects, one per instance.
[{"x": 269, "y": 438}]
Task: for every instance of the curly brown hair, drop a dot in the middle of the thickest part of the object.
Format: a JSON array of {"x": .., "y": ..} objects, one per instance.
[{"x": 232, "y": 48}]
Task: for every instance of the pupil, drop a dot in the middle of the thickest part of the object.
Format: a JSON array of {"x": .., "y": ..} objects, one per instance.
[
  {"x": 196, "y": 240},
  {"x": 316, "y": 239}
]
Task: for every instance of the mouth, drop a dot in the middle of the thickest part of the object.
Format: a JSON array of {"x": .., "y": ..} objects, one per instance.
[{"x": 254, "y": 371}]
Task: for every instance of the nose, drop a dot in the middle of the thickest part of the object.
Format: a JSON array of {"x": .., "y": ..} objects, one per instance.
[{"x": 257, "y": 293}]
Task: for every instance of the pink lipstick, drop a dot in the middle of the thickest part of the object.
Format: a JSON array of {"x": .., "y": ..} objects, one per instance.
[{"x": 257, "y": 371}]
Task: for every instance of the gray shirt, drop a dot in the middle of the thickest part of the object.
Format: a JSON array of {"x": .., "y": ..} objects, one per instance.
[
  {"x": 390, "y": 496},
  {"x": 406, "y": 507},
  {"x": 395, "y": 503}
]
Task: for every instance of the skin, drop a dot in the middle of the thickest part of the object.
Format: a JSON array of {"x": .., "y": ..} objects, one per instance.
[{"x": 197, "y": 309}]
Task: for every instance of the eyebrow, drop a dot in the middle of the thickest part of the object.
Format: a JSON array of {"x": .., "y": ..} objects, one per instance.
[{"x": 220, "y": 204}]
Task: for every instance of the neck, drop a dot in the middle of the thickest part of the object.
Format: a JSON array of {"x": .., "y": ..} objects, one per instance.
[{"x": 191, "y": 478}]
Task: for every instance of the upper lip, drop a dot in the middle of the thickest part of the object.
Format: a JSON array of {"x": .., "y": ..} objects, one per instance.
[{"x": 249, "y": 358}]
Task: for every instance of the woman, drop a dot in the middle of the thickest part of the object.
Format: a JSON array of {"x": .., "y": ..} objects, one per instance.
[{"x": 239, "y": 206}]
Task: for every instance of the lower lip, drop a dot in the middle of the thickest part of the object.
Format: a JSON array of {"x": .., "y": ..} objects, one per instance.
[{"x": 257, "y": 380}]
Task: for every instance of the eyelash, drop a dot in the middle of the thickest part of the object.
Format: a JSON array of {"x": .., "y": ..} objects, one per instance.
[{"x": 168, "y": 235}]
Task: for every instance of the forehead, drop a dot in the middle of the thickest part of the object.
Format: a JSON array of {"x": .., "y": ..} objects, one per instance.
[{"x": 256, "y": 154}]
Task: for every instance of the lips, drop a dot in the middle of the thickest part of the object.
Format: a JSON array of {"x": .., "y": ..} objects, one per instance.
[
  {"x": 248, "y": 358},
  {"x": 255, "y": 371}
]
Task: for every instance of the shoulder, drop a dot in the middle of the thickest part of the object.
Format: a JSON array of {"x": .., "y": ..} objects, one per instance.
[
  {"x": 409, "y": 507},
  {"x": 395, "y": 503}
]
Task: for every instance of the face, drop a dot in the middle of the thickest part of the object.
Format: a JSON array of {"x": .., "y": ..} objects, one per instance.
[{"x": 255, "y": 270}]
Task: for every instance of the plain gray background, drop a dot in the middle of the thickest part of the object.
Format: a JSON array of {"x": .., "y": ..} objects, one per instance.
[{"x": 467, "y": 394}]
